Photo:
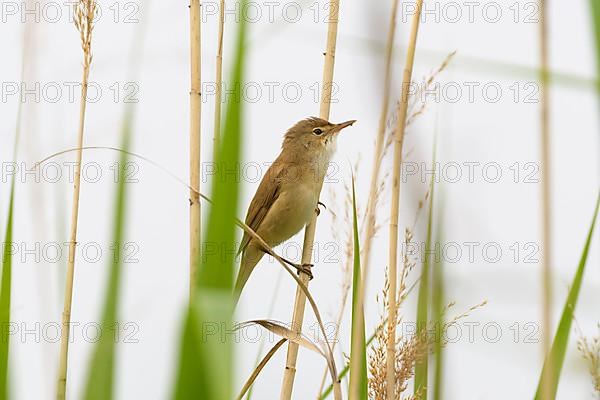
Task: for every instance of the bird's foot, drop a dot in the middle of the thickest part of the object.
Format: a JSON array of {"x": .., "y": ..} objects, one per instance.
[
  {"x": 305, "y": 269},
  {"x": 301, "y": 268},
  {"x": 318, "y": 210}
]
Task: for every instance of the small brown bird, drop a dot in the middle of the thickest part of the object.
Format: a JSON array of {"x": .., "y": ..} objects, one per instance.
[{"x": 289, "y": 192}]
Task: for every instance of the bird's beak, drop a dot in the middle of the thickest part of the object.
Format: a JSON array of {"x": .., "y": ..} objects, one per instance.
[{"x": 339, "y": 127}]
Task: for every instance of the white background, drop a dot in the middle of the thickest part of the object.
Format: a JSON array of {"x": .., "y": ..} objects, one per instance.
[{"x": 154, "y": 291}]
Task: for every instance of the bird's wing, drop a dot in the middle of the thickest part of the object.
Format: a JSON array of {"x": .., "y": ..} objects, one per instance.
[{"x": 264, "y": 198}]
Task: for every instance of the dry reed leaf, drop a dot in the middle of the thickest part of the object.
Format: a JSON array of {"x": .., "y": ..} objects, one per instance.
[{"x": 280, "y": 330}]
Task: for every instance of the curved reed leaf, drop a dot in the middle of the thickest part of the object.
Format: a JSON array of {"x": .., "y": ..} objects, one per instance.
[
  {"x": 286, "y": 333},
  {"x": 5, "y": 293},
  {"x": 292, "y": 336},
  {"x": 437, "y": 300},
  {"x": 424, "y": 297},
  {"x": 556, "y": 357},
  {"x": 358, "y": 354},
  {"x": 6, "y": 279}
]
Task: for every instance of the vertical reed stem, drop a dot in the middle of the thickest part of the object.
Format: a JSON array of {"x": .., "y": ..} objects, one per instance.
[
  {"x": 372, "y": 201},
  {"x": 195, "y": 114},
  {"x": 85, "y": 11},
  {"x": 394, "y": 215},
  {"x": 309, "y": 233},
  {"x": 546, "y": 201},
  {"x": 355, "y": 363},
  {"x": 219, "y": 82}
]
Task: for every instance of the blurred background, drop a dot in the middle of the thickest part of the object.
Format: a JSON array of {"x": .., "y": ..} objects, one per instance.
[{"x": 483, "y": 109}]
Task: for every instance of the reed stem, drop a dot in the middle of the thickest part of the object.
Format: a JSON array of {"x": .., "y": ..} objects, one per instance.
[
  {"x": 309, "y": 232},
  {"x": 395, "y": 207},
  {"x": 373, "y": 195},
  {"x": 218, "y": 82},
  {"x": 85, "y": 11},
  {"x": 195, "y": 126},
  {"x": 372, "y": 201},
  {"x": 546, "y": 387},
  {"x": 379, "y": 141}
]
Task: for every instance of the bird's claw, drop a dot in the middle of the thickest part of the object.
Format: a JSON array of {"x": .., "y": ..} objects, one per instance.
[
  {"x": 318, "y": 210},
  {"x": 306, "y": 269},
  {"x": 301, "y": 268}
]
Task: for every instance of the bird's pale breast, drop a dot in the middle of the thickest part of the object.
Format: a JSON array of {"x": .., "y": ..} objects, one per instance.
[{"x": 290, "y": 213}]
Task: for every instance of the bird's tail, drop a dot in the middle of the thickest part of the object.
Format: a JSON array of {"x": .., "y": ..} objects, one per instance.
[{"x": 250, "y": 258}]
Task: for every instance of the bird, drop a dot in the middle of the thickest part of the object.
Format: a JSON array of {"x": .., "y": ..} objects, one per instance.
[{"x": 288, "y": 193}]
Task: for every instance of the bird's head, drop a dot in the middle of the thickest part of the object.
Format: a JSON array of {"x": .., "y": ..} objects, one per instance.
[{"x": 314, "y": 135}]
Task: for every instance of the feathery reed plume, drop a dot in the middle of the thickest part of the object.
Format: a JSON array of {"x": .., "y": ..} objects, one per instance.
[
  {"x": 309, "y": 232},
  {"x": 195, "y": 126},
  {"x": 408, "y": 350},
  {"x": 218, "y": 81},
  {"x": 394, "y": 214},
  {"x": 590, "y": 351},
  {"x": 372, "y": 226},
  {"x": 85, "y": 12},
  {"x": 348, "y": 251},
  {"x": 415, "y": 108},
  {"x": 546, "y": 384}
]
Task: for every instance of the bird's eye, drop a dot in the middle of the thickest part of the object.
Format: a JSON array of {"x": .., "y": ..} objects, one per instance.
[{"x": 317, "y": 131}]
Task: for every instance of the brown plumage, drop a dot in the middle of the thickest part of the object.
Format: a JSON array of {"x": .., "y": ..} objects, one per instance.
[{"x": 289, "y": 192}]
